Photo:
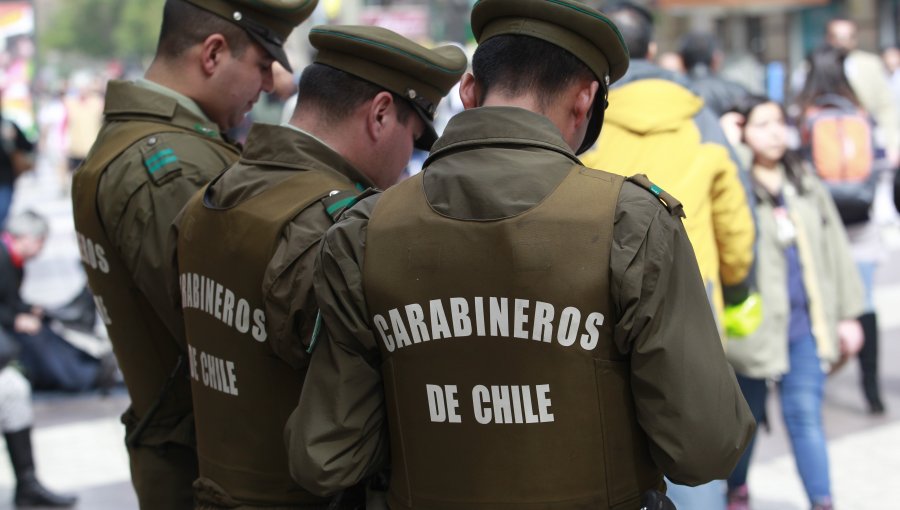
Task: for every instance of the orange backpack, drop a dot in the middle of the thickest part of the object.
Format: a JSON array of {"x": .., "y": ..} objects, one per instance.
[{"x": 840, "y": 145}]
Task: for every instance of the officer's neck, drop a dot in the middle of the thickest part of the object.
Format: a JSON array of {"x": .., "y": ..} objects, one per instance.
[{"x": 558, "y": 113}]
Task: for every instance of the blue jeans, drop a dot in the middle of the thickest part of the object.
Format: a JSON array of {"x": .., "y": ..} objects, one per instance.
[
  {"x": 801, "y": 391},
  {"x": 6, "y": 193}
]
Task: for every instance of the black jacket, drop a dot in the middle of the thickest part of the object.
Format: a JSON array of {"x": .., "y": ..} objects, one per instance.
[{"x": 11, "y": 303}]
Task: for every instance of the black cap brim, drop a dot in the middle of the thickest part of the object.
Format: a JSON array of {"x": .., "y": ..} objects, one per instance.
[
  {"x": 276, "y": 51},
  {"x": 595, "y": 124},
  {"x": 429, "y": 135}
]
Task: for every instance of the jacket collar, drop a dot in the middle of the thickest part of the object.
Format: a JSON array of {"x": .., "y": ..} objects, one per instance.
[
  {"x": 290, "y": 148},
  {"x": 500, "y": 125},
  {"x": 130, "y": 101}
]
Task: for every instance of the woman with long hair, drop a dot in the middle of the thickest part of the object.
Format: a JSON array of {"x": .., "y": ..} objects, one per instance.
[{"x": 811, "y": 295}]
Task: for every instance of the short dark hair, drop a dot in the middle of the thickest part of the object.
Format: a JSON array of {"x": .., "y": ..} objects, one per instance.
[
  {"x": 636, "y": 27},
  {"x": 698, "y": 48},
  {"x": 185, "y": 25},
  {"x": 335, "y": 94},
  {"x": 517, "y": 64}
]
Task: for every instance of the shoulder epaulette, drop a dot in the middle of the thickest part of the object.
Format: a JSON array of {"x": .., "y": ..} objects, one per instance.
[
  {"x": 672, "y": 204},
  {"x": 160, "y": 160},
  {"x": 339, "y": 201}
]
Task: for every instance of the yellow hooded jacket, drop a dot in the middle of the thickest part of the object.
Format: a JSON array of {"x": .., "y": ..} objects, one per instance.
[{"x": 650, "y": 128}]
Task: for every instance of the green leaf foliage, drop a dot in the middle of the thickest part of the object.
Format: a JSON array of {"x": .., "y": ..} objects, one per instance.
[{"x": 103, "y": 28}]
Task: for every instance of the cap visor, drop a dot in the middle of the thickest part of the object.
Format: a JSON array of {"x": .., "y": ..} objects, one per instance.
[
  {"x": 429, "y": 135},
  {"x": 274, "y": 50}
]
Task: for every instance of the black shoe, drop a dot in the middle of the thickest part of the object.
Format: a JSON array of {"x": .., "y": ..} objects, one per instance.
[
  {"x": 31, "y": 493},
  {"x": 876, "y": 407}
]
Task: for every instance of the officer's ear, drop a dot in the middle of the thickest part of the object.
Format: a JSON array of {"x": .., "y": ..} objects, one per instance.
[
  {"x": 582, "y": 107},
  {"x": 469, "y": 92},
  {"x": 212, "y": 52},
  {"x": 379, "y": 114}
]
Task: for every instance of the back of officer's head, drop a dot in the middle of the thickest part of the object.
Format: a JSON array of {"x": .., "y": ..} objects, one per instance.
[
  {"x": 517, "y": 65},
  {"x": 334, "y": 95},
  {"x": 185, "y": 25}
]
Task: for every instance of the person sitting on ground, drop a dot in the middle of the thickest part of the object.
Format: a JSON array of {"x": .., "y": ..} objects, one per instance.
[{"x": 49, "y": 361}]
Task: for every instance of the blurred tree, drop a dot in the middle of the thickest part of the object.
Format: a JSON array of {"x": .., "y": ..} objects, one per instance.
[{"x": 103, "y": 28}]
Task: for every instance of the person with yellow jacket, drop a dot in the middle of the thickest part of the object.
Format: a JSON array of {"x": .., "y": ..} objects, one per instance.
[{"x": 657, "y": 126}]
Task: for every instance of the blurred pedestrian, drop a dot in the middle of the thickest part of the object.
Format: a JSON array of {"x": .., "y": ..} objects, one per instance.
[
  {"x": 891, "y": 58},
  {"x": 836, "y": 134},
  {"x": 811, "y": 294},
  {"x": 865, "y": 73},
  {"x": 16, "y": 157},
  {"x": 500, "y": 328},
  {"x": 16, "y": 420},
  {"x": 671, "y": 61},
  {"x": 161, "y": 141},
  {"x": 50, "y": 362},
  {"x": 84, "y": 116},
  {"x": 703, "y": 58},
  {"x": 656, "y": 125},
  {"x": 353, "y": 129}
]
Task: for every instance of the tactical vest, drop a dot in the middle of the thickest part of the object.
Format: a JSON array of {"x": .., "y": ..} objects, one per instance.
[
  {"x": 502, "y": 382},
  {"x": 243, "y": 394},
  {"x": 145, "y": 349}
]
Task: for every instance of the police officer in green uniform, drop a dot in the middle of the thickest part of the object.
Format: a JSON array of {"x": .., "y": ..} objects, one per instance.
[
  {"x": 160, "y": 142},
  {"x": 510, "y": 329},
  {"x": 247, "y": 244}
]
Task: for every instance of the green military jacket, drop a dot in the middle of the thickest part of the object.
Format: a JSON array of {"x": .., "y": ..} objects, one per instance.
[
  {"x": 496, "y": 163},
  {"x": 265, "y": 215},
  {"x": 153, "y": 152}
]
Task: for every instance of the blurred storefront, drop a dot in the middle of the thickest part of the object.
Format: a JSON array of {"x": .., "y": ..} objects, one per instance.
[{"x": 767, "y": 39}]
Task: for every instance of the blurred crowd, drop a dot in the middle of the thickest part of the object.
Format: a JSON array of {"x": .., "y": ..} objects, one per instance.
[{"x": 817, "y": 175}]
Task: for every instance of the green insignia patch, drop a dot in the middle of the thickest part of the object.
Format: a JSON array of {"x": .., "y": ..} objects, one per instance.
[{"x": 159, "y": 161}]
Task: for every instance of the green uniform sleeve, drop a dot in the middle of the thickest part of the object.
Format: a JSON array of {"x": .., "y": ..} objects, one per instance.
[
  {"x": 287, "y": 286},
  {"x": 139, "y": 198},
  {"x": 686, "y": 395},
  {"x": 337, "y": 436}
]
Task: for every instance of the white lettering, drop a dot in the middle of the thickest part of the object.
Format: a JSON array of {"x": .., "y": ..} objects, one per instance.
[
  {"x": 569, "y": 320},
  {"x": 543, "y": 400},
  {"x": 381, "y": 325},
  {"x": 416, "y": 317},
  {"x": 439, "y": 327},
  {"x": 543, "y": 321},
  {"x": 480, "y": 397},
  {"x": 259, "y": 325},
  {"x": 459, "y": 311},
  {"x": 590, "y": 340},
  {"x": 400, "y": 334},
  {"x": 242, "y": 316},
  {"x": 499, "y": 317}
]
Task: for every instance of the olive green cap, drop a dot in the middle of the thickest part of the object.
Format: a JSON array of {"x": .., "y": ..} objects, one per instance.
[
  {"x": 420, "y": 75},
  {"x": 573, "y": 26},
  {"x": 581, "y": 30},
  {"x": 268, "y": 22}
]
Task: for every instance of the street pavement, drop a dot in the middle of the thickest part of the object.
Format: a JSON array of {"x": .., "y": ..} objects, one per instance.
[{"x": 79, "y": 440}]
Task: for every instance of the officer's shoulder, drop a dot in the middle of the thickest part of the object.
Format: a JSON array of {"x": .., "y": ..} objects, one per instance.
[
  {"x": 167, "y": 156},
  {"x": 640, "y": 189}
]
